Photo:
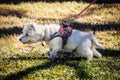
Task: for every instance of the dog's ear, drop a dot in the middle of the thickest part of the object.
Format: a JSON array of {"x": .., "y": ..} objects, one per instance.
[{"x": 33, "y": 25}]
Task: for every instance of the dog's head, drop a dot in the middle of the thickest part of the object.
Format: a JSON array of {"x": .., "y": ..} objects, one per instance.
[{"x": 31, "y": 33}]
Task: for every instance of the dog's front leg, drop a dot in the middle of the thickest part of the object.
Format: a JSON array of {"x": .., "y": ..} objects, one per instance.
[{"x": 55, "y": 45}]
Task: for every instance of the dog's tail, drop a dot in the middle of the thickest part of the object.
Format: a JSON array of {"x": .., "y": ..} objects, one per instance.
[{"x": 95, "y": 41}]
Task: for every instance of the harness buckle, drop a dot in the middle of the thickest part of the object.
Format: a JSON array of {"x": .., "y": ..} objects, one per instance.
[{"x": 64, "y": 32}]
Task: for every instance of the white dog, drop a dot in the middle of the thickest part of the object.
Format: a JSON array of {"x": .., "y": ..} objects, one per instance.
[{"x": 84, "y": 43}]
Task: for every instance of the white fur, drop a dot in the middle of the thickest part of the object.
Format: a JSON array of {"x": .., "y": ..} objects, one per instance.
[{"x": 83, "y": 42}]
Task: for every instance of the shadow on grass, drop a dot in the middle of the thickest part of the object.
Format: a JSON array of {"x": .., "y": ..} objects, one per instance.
[
  {"x": 81, "y": 72},
  {"x": 12, "y": 12},
  {"x": 19, "y": 75},
  {"x": 110, "y": 53},
  {"x": 10, "y": 31},
  {"x": 75, "y": 25},
  {"x": 50, "y": 1},
  {"x": 96, "y": 27}
]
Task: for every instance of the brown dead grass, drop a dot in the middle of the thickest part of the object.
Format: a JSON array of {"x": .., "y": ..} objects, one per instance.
[
  {"x": 14, "y": 15},
  {"x": 18, "y": 15}
]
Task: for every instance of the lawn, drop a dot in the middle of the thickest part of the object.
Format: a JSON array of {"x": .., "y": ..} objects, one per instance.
[{"x": 29, "y": 61}]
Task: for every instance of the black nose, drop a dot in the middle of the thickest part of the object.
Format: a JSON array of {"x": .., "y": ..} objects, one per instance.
[
  {"x": 20, "y": 39},
  {"x": 48, "y": 53}
]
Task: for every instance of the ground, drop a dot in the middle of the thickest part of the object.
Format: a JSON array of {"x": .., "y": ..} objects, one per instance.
[{"x": 28, "y": 62}]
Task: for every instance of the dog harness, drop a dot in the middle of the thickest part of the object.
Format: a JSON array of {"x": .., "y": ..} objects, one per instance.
[{"x": 64, "y": 32}]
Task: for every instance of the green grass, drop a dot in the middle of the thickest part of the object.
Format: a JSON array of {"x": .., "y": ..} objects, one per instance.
[
  {"x": 29, "y": 62},
  {"x": 35, "y": 66}
]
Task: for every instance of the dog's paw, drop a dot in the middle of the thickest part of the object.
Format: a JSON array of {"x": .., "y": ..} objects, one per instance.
[
  {"x": 51, "y": 57},
  {"x": 102, "y": 47}
]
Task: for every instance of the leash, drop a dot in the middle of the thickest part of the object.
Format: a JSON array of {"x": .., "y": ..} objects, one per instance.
[
  {"x": 69, "y": 20},
  {"x": 77, "y": 15}
]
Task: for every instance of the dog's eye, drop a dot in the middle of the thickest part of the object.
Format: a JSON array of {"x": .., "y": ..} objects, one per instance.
[
  {"x": 26, "y": 34},
  {"x": 30, "y": 29}
]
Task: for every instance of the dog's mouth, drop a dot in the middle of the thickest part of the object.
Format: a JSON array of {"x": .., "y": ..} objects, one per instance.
[
  {"x": 29, "y": 42},
  {"x": 26, "y": 42}
]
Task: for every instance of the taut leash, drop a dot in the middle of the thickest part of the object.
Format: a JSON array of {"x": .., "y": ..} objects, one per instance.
[{"x": 77, "y": 15}]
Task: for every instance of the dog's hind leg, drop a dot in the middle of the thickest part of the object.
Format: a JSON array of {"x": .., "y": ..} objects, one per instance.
[
  {"x": 95, "y": 52},
  {"x": 89, "y": 54},
  {"x": 85, "y": 52}
]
